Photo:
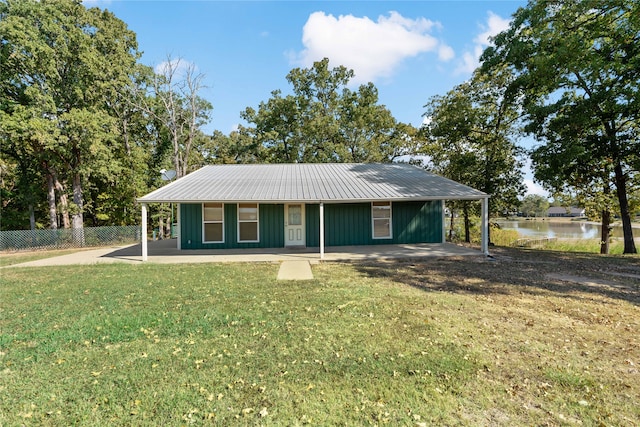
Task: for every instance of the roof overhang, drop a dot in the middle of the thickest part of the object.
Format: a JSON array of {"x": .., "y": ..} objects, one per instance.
[{"x": 330, "y": 183}]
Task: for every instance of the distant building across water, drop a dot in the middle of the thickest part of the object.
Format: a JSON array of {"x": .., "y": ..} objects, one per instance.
[{"x": 560, "y": 211}]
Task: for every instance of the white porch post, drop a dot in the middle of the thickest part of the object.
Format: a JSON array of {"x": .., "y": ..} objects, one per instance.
[
  {"x": 144, "y": 232},
  {"x": 179, "y": 243},
  {"x": 321, "y": 230},
  {"x": 485, "y": 226}
]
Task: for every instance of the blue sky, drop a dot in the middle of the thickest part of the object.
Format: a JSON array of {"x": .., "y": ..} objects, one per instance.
[{"x": 411, "y": 50}]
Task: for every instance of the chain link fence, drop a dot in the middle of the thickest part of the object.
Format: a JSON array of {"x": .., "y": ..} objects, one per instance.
[{"x": 19, "y": 240}]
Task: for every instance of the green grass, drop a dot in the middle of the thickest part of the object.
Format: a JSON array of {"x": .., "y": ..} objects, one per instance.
[
  {"x": 229, "y": 345},
  {"x": 592, "y": 246}
]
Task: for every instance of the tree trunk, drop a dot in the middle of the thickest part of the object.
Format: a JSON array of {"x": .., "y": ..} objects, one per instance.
[
  {"x": 177, "y": 163},
  {"x": 467, "y": 223},
  {"x": 32, "y": 217},
  {"x": 451, "y": 226},
  {"x": 621, "y": 189},
  {"x": 64, "y": 201},
  {"x": 606, "y": 230},
  {"x": 78, "y": 218},
  {"x": 51, "y": 198}
]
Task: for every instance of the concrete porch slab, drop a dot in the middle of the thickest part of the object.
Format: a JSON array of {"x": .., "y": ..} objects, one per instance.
[
  {"x": 295, "y": 270},
  {"x": 165, "y": 252}
]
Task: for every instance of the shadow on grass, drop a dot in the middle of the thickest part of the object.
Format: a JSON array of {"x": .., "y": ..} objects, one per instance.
[{"x": 514, "y": 271}]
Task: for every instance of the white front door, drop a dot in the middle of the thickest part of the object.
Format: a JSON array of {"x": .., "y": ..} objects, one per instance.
[{"x": 294, "y": 230}]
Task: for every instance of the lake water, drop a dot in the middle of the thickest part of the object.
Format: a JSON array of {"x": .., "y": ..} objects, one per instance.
[{"x": 562, "y": 230}]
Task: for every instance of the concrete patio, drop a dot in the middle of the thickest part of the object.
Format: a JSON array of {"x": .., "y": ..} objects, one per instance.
[{"x": 165, "y": 252}]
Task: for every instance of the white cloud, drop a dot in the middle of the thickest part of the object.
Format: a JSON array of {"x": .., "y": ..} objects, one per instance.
[
  {"x": 471, "y": 58},
  {"x": 445, "y": 53},
  {"x": 495, "y": 25},
  {"x": 373, "y": 49},
  {"x": 178, "y": 67}
]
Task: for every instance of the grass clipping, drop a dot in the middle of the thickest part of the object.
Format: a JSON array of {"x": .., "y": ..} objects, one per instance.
[{"x": 444, "y": 341}]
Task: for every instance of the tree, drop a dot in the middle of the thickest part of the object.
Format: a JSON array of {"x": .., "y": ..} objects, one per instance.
[
  {"x": 136, "y": 149},
  {"x": 325, "y": 121},
  {"x": 471, "y": 132},
  {"x": 534, "y": 205},
  {"x": 173, "y": 101},
  {"x": 577, "y": 67},
  {"x": 61, "y": 63},
  {"x": 564, "y": 166},
  {"x": 237, "y": 147}
]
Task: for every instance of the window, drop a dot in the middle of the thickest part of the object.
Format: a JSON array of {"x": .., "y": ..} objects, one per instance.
[
  {"x": 381, "y": 219},
  {"x": 213, "y": 218},
  {"x": 248, "y": 222}
]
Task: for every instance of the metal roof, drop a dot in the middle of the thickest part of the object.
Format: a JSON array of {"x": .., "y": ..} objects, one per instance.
[{"x": 311, "y": 183}]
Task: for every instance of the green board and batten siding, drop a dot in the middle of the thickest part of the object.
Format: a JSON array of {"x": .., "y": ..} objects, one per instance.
[
  {"x": 350, "y": 224},
  {"x": 271, "y": 222},
  {"x": 345, "y": 224}
]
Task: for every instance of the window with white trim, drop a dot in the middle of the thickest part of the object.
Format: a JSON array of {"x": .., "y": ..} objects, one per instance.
[
  {"x": 213, "y": 222},
  {"x": 248, "y": 222},
  {"x": 381, "y": 220}
]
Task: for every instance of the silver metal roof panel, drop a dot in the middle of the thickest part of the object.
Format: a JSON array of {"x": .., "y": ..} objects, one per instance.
[{"x": 311, "y": 182}]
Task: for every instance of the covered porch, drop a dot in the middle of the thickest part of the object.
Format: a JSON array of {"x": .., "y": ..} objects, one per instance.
[
  {"x": 228, "y": 207},
  {"x": 323, "y": 252},
  {"x": 166, "y": 251}
]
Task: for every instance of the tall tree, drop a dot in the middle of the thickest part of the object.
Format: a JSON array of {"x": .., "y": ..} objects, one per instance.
[
  {"x": 323, "y": 120},
  {"x": 173, "y": 100},
  {"x": 471, "y": 132},
  {"x": 579, "y": 62},
  {"x": 60, "y": 64},
  {"x": 563, "y": 165}
]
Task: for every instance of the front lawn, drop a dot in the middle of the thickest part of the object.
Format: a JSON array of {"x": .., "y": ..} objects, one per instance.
[{"x": 442, "y": 342}]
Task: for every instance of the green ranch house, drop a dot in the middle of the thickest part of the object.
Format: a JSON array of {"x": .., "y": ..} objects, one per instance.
[{"x": 310, "y": 205}]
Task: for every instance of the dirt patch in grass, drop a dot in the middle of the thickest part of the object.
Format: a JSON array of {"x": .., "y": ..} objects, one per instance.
[
  {"x": 511, "y": 270},
  {"x": 559, "y": 332}
]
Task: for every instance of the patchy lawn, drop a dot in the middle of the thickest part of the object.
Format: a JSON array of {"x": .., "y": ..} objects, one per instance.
[{"x": 528, "y": 338}]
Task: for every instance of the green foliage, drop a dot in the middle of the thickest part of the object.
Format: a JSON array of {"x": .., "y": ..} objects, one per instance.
[
  {"x": 499, "y": 236},
  {"x": 325, "y": 121},
  {"x": 78, "y": 118},
  {"x": 471, "y": 139},
  {"x": 577, "y": 71},
  {"x": 471, "y": 132},
  {"x": 237, "y": 147},
  {"x": 534, "y": 205},
  {"x": 63, "y": 69},
  {"x": 591, "y": 246}
]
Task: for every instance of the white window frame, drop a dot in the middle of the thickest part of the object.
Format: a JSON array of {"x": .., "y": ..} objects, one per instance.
[
  {"x": 257, "y": 221},
  {"x": 373, "y": 220},
  {"x": 204, "y": 221}
]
